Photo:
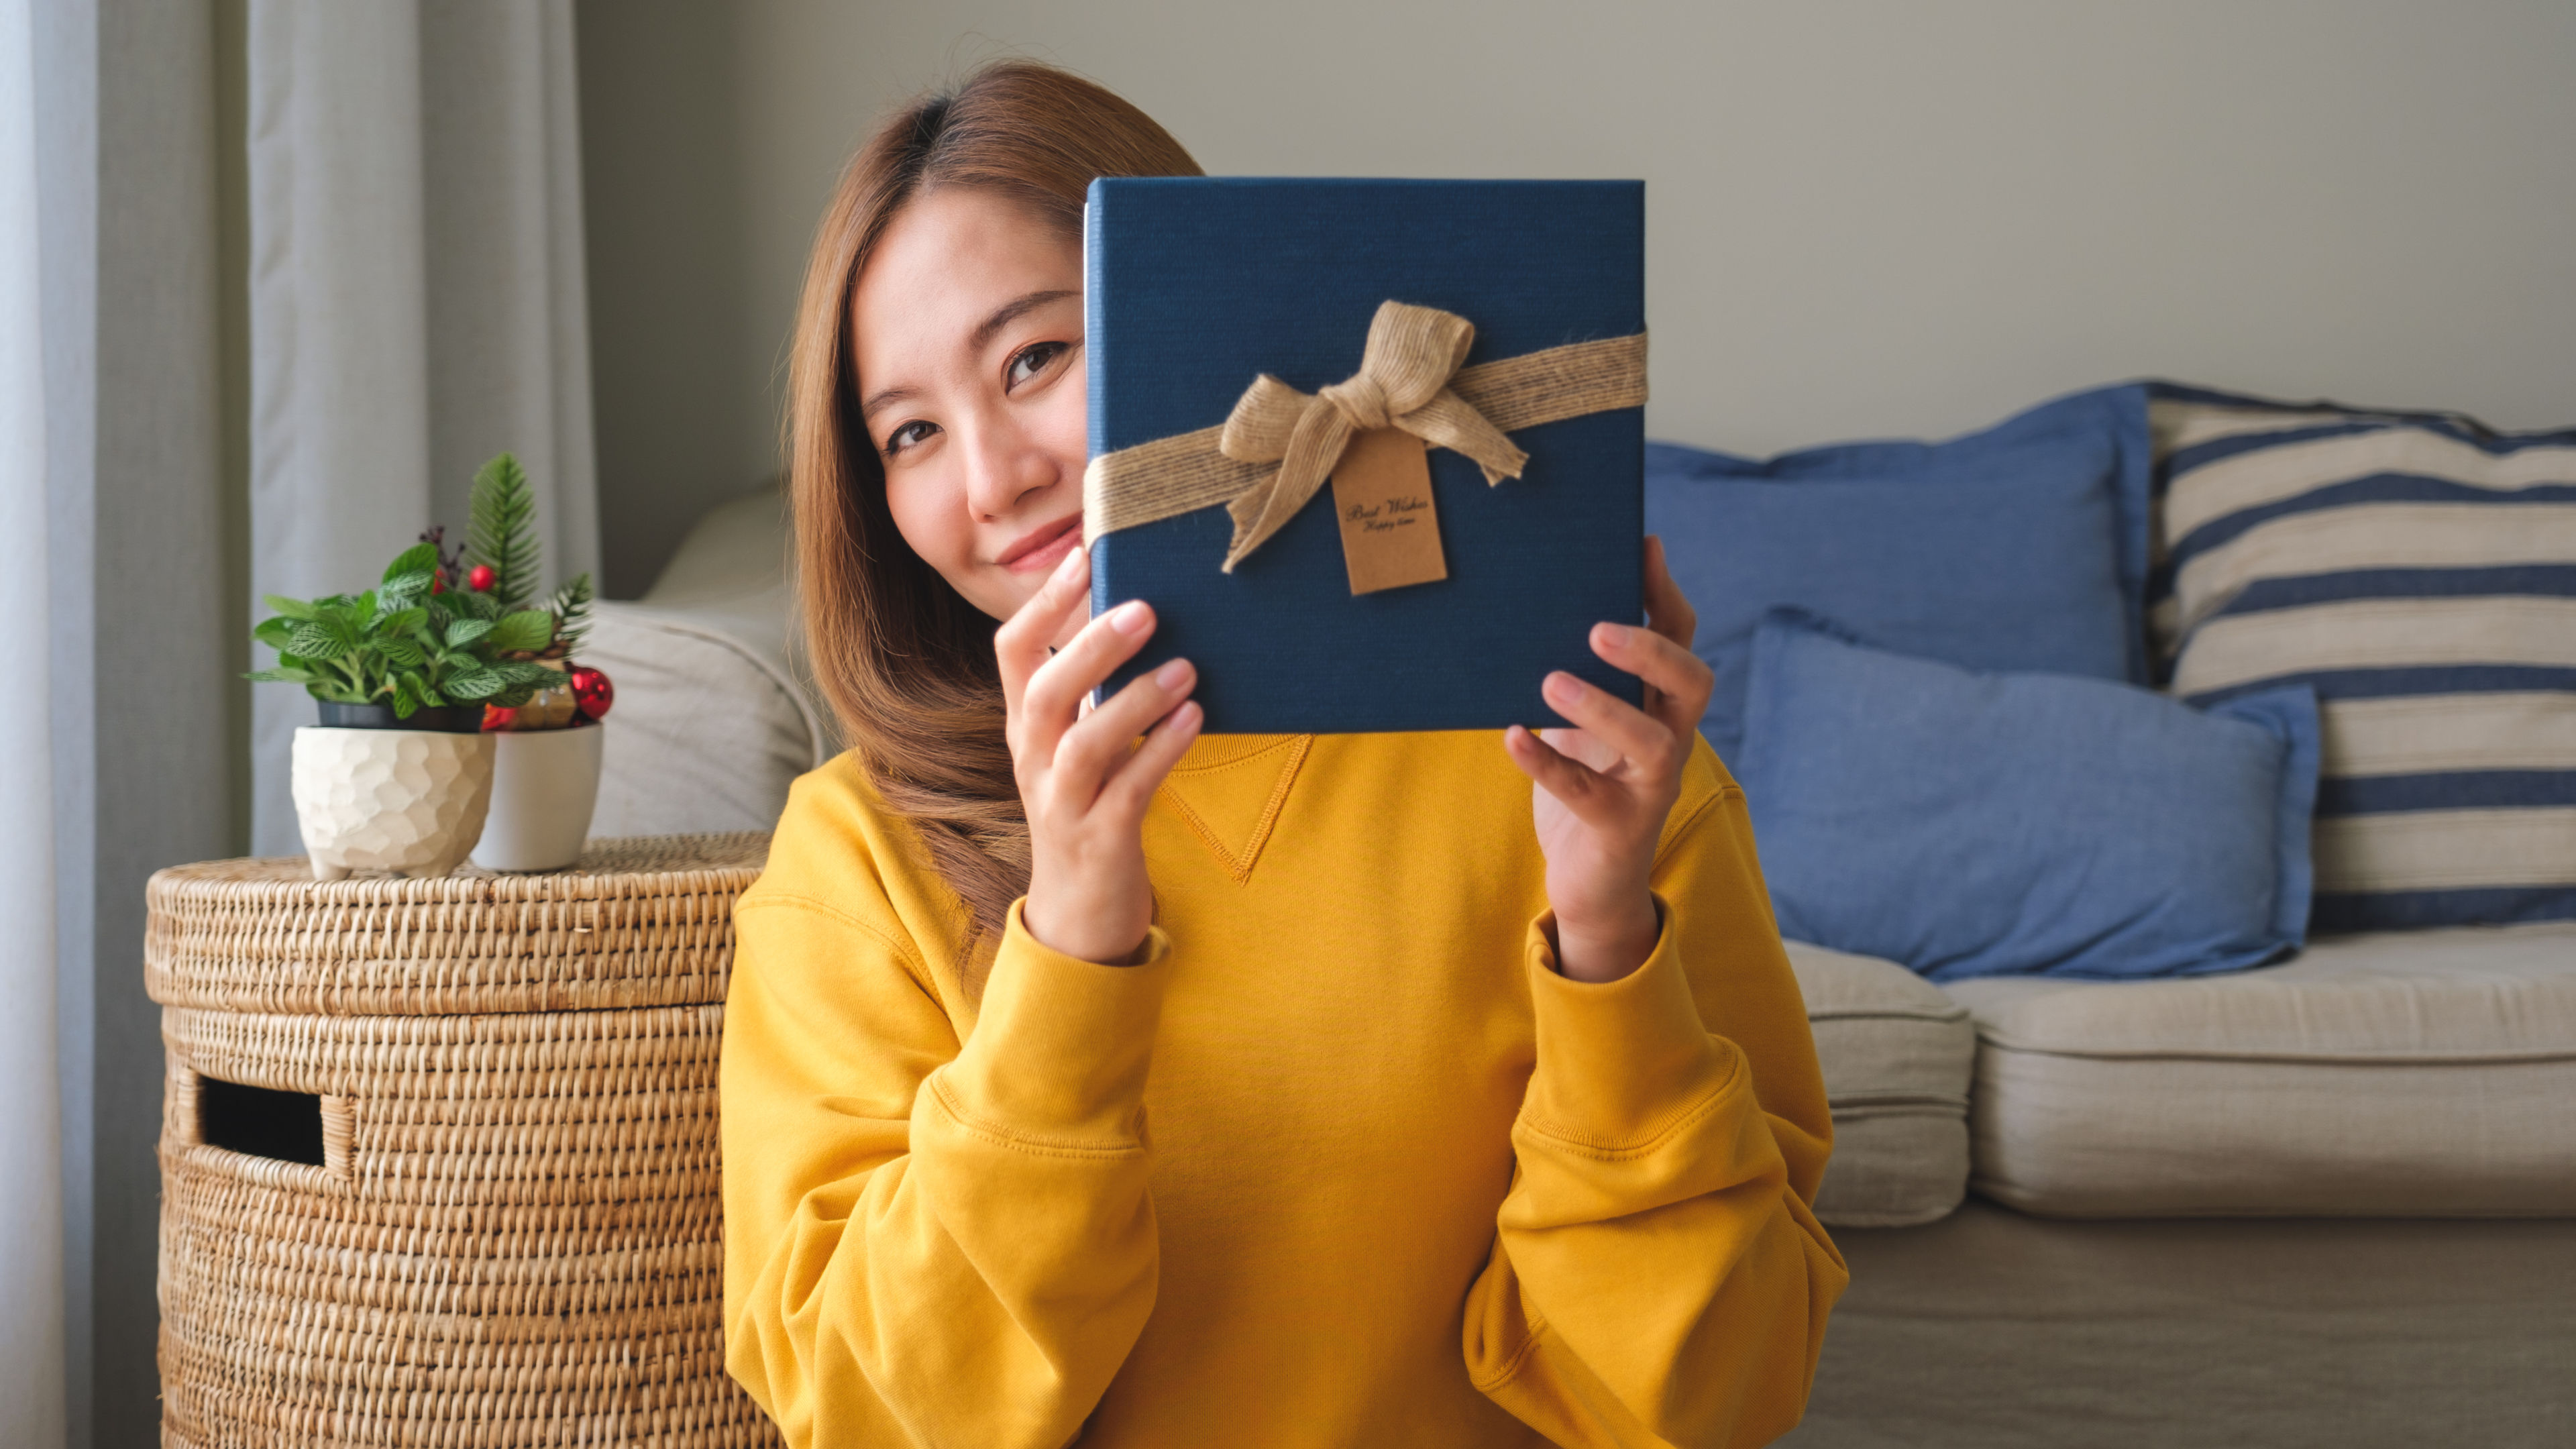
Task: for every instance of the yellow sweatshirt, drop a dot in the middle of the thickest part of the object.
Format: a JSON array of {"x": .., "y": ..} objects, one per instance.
[{"x": 1345, "y": 1163}]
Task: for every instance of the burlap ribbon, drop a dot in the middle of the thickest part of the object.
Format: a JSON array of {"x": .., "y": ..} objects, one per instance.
[{"x": 1280, "y": 445}]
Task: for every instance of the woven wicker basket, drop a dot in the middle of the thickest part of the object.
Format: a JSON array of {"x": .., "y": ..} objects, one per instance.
[{"x": 506, "y": 1230}]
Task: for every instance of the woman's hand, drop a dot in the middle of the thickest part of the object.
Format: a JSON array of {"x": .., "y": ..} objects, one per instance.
[
  {"x": 1605, "y": 788},
  {"x": 1084, "y": 787}
]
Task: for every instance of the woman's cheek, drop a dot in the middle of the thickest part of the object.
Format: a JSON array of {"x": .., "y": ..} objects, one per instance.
[
  {"x": 1067, "y": 422},
  {"x": 932, "y": 520}
]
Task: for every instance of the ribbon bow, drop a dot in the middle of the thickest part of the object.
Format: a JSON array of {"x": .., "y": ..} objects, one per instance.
[{"x": 1403, "y": 382}]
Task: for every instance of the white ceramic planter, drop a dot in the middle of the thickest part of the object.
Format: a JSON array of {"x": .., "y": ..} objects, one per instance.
[
  {"x": 401, "y": 800},
  {"x": 544, "y": 784}
]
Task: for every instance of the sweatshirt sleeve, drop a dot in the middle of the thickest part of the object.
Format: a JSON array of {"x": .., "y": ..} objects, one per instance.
[
  {"x": 1657, "y": 1275},
  {"x": 927, "y": 1243}
]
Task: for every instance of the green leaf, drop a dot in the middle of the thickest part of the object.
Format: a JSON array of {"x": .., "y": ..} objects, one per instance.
[
  {"x": 404, "y": 700},
  {"x": 521, "y": 671},
  {"x": 524, "y": 632},
  {"x": 466, "y": 631},
  {"x": 513, "y": 697},
  {"x": 402, "y": 651},
  {"x": 291, "y": 608},
  {"x": 473, "y": 684},
  {"x": 400, "y": 622},
  {"x": 409, "y": 589},
  {"x": 420, "y": 558},
  {"x": 479, "y": 606},
  {"x": 274, "y": 632},
  {"x": 317, "y": 641},
  {"x": 350, "y": 630},
  {"x": 421, "y": 689},
  {"x": 279, "y": 676}
]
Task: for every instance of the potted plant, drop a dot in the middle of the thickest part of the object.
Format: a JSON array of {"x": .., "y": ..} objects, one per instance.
[
  {"x": 397, "y": 775},
  {"x": 545, "y": 779}
]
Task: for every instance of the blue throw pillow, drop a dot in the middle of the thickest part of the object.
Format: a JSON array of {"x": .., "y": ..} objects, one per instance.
[
  {"x": 1973, "y": 824},
  {"x": 2021, "y": 547}
]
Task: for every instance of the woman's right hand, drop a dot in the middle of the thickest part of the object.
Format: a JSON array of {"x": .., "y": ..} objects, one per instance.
[{"x": 1083, "y": 780}]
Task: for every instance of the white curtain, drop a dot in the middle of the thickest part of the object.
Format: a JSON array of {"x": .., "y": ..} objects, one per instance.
[
  {"x": 31, "y": 1184},
  {"x": 416, "y": 298}
]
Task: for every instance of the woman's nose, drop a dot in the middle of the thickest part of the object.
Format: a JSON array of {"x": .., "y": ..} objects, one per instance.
[{"x": 1003, "y": 466}]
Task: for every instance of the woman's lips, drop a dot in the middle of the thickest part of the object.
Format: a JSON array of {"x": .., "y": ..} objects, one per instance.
[{"x": 1043, "y": 549}]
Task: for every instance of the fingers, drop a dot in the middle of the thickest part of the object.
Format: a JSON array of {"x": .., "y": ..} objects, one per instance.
[
  {"x": 1052, "y": 699},
  {"x": 1133, "y": 783},
  {"x": 1020, "y": 645},
  {"x": 1667, "y": 612},
  {"x": 1678, "y": 682},
  {"x": 1628, "y": 731},
  {"x": 1594, "y": 799},
  {"x": 1099, "y": 744}
]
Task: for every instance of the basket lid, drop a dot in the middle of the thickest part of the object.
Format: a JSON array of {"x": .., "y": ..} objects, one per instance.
[{"x": 643, "y": 921}]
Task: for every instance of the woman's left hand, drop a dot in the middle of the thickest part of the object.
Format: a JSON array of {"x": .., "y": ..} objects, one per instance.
[{"x": 1603, "y": 789}]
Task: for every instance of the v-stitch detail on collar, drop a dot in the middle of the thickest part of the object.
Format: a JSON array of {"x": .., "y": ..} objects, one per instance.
[{"x": 1285, "y": 755}]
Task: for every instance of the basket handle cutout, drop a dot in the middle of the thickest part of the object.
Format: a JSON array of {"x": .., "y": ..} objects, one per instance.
[{"x": 260, "y": 1121}]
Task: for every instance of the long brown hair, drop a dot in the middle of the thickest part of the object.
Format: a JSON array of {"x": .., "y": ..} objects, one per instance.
[{"x": 906, "y": 662}]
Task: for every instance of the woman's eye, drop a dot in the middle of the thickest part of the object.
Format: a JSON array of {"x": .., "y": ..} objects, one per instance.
[
  {"x": 907, "y": 435},
  {"x": 1029, "y": 361}
]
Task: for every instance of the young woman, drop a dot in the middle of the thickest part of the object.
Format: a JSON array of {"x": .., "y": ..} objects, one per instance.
[{"x": 1084, "y": 1077}]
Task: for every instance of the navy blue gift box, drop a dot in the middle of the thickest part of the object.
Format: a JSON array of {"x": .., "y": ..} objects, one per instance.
[{"x": 1195, "y": 286}]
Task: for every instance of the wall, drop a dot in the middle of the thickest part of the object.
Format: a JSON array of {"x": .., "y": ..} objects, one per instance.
[
  {"x": 679, "y": 359},
  {"x": 1865, "y": 216}
]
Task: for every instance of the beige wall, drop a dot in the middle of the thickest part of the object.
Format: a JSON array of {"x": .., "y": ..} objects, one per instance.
[{"x": 1865, "y": 216}]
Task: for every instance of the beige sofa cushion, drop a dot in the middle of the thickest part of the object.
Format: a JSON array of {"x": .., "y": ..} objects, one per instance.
[
  {"x": 715, "y": 715},
  {"x": 2427, "y": 1073},
  {"x": 1897, "y": 1056},
  {"x": 1994, "y": 1330}
]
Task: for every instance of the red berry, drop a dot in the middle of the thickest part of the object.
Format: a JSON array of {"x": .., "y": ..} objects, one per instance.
[
  {"x": 480, "y": 580},
  {"x": 592, "y": 692},
  {"x": 437, "y": 585}
]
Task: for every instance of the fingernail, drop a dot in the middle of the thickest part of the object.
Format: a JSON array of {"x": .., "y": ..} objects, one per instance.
[
  {"x": 1174, "y": 674},
  {"x": 1564, "y": 688},
  {"x": 1130, "y": 617},
  {"x": 1614, "y": 635}
]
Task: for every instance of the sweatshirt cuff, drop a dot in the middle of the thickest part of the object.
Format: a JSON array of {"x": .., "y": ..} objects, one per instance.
[
  {"x": 1061, "y": 1045},
  {"x": 1620, "y": 1062}
]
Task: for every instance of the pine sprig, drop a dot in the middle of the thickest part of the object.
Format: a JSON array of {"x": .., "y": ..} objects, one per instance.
[
  {"x": 500, "y": 531},
  {"x": 571, "y": 605}
]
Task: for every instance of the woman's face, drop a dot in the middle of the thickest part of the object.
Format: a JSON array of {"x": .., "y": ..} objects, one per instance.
[{"x": 967, "y": 323}]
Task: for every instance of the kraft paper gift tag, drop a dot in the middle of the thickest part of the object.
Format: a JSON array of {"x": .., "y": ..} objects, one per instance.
[{"x": 1382, "y": 495}]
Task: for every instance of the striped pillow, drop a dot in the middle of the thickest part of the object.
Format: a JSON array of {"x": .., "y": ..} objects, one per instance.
[{"x": 2419, "y": 571}]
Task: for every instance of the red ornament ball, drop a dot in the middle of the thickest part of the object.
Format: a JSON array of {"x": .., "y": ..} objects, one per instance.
[
  {"x": 480, "y": 578},
  {"x": 497, "y": 718},
  {"x": 437, "y": 585},
  {"x": 592, "y": 692}
]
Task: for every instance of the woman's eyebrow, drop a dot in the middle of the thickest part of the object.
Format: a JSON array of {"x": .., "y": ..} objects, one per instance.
[
  {"x": 886, "y": 395},
  {"x": 1011, "y": 311}
]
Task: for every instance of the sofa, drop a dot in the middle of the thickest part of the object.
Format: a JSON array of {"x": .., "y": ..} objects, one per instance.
[{"x": 2325, "y": 1201}]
